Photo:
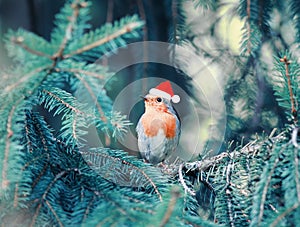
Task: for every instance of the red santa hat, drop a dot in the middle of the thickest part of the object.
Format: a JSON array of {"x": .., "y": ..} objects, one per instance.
[{"x": 165, "y": 90}]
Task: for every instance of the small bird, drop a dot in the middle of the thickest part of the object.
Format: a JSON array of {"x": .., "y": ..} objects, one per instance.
[{"x": 159, "y": 127}]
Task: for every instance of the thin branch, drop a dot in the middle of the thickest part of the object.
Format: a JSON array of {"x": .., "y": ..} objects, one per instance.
[
  {"x": 141, "y": 9},
  {"x": 20, "y": 42},
  {"x": 16, "y": 197},
  {"x": 175, "y": 195},
  {"x": 54, "y": 213},
  {"x": 249, "y": 26},
  {"x": 114, "y": 159},
  {"x": 109, "y": 11},
  {"x": 87, "y": 210},
  {"x": 99, "y": 108},
  {"x": 283, "y": 215},
  {"x": 294, "y": 137},
  {"x": 81, "y": 71},
  {"x": 9, "y": 134},
  {"x": 43, "y": 198},
  {"x": 27, "y": 136},
  {"x": 74, "y": 134},
  {"x": 76, "y": 6},
  {"x": 92, "y": 94},
  {"x": 206, "y": 163},
  {"x": 126, "y": 29},
  {"x": 116, "y": 204},
  {"x": 74, "y": 109},
  {"x": 292, "y": 99},
  {"x": 266, "y": 187},
  {"x": 41, "y": 174},
  {"x": 24, "y": 78},
  {"x": 181, "y": 180},
  {"x": 297, "y": 176},
  {"x": 230, "y": 208}
]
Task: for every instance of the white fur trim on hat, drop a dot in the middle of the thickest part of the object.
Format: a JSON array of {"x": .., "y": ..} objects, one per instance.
[{"x": 176, "y": 99}]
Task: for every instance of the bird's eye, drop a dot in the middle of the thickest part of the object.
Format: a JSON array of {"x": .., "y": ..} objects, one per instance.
[{"x": 158, "y": 99}]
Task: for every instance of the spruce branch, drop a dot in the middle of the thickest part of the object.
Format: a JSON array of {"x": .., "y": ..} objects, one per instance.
[
  {"x": 297, "y": 175},
  {"x": 89, "y": 207},
  {"x": 9, "y": 134},
  {"x": 81, "y": 71},
  {"x": 19, "y": 40},
  {"x": 284, "y": 215},
  {"x": 264, "y": 185},
  {"x": 93, "y": 96},
  {"x": 249, "y": 26},
  {"x": 181, "y": 180},
  {"x": 128, "y": 28},
  {"x": 287, "y": 62},
  {"x": 63, "y": 102},
  {"x": 54, "y": 213},
  {"x": 76, "y": 6},
  {"x": 175, "y": 194},
  {"x": 43, "y": 200},
  {"x": 26, "y": 77},
  {"x": 97, "y": 160}
]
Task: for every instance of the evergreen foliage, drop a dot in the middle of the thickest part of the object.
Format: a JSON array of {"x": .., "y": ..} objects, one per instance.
[{"x": 51, "y": 177}]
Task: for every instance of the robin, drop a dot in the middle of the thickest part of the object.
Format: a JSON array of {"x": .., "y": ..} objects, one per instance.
[{"x": 159, "y": 127}]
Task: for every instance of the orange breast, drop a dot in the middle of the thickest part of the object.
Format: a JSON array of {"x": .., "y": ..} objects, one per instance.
[{"x": 153, "y": 122}]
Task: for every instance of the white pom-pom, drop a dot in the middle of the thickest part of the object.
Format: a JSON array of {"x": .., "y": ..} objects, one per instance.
[{"x": 175, "y": 99}]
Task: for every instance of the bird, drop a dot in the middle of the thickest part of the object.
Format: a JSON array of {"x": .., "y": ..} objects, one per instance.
[{"x": 159, "y": 127}]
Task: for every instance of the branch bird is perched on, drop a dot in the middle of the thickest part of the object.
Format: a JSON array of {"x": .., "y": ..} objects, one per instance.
[{"x": 159, "y": 127}]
